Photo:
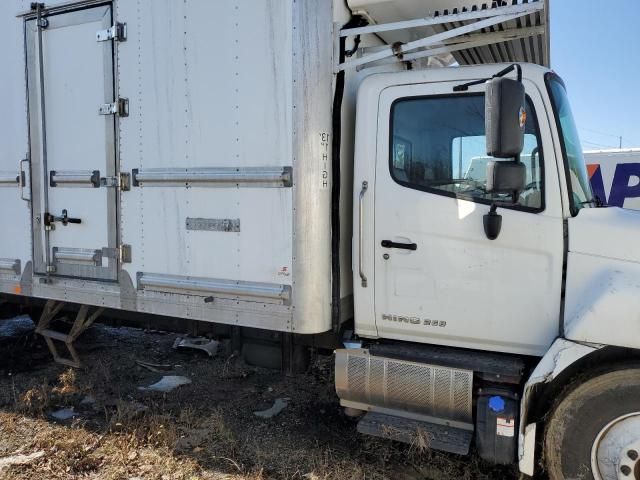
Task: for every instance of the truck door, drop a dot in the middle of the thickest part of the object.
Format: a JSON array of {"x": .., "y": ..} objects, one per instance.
[
  {"x": 72, "y": 134},
  {"x": 438, "y": 278}
]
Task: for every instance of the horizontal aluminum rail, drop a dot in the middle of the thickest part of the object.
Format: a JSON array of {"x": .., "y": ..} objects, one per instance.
[
  {"x": 74, "y": 178},
  {"x": 212, "y": 287},
  {"x": 10, "y": 265},
  {"x": 214, "y": 177},
  {"x": 68, "y": 255}
]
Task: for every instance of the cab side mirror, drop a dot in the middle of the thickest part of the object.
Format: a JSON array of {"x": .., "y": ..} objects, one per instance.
[
  {"x": 502, "y": 177},
  {"x": 505, "y": 117}
]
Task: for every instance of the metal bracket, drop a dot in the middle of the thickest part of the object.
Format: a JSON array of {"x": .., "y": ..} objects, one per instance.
[
  {"x": 125, "y": 182},
  {"x": 459, "y": 37},
  {"x": 121, "y": 181},
  {"x": 124, "y": 253},
  {"x": 109, "y": 182},
  {"x": 120, "y": 107},
  {"x": 118, "y": 33}
]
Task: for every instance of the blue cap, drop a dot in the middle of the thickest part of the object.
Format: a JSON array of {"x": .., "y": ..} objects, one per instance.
[{"x": 496, "y": 404}]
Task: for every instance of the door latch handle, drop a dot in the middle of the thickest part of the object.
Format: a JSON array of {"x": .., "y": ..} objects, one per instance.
[
  {"x": 402, "y": 246},
  {"x": 22, "y": 179},
  {"x": 363, "y": 277},
  {"x": 65, "y": 219}
]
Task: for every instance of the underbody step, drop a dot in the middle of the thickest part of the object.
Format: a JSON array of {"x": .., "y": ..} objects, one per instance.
[
  {"x": 82, "y": 321},
  {"x": 415, "y": 432},
  {"x": 61, "y": 337}
]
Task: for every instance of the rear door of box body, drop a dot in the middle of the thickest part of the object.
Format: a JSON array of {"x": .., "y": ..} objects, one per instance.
[
  {"x": 72, "y": 132},
  {"x": 15, "y": 247}
]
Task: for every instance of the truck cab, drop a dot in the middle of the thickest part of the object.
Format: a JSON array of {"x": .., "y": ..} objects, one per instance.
[{"x": 456, "y": 328}]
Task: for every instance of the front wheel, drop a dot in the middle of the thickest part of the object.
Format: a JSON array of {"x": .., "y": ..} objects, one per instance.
[{"x": 594, "y": 431}]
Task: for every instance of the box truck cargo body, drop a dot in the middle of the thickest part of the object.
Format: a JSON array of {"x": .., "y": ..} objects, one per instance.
[
  {"x": 195, "y": 151},
  {"x": 401, "y": 179},
  {"x": 615, "y": 176}
]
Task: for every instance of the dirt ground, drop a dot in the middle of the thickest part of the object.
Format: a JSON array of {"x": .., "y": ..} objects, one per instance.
[{"x": 203, "y": 430}]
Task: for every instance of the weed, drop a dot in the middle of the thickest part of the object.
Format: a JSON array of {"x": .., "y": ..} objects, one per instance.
[
  {"x": 35, "y": 400},
  {"x": 66, "y": 383}
]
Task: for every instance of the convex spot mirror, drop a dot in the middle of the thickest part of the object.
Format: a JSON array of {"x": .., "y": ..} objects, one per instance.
[
  {"x": 502, "y": 177},
  {"x": 505, "y": 117},
  {"x": 506, "y": 177}
]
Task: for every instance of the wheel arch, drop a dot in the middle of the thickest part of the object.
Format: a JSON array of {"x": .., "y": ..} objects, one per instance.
[{"x": 553, "y": 379}]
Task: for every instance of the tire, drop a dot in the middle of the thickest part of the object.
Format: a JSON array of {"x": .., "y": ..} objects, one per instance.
[{"x": 582, "y": 423}]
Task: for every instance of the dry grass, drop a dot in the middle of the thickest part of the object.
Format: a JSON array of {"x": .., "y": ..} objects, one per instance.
[
  {"x": 420, "y": 443},
  {"x": 35, "y": 400},
  {"x": 66, "y": 383},
  {"x": 205, "y": 430}
]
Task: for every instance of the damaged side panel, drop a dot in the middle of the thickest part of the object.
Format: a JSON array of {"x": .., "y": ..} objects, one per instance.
[{"x": 561, "y": 355}]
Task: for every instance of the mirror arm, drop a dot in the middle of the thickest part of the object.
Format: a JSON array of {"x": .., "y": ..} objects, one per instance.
[
  {"x": 514, "y": 66},
  {"x": 510, "y": 68}
]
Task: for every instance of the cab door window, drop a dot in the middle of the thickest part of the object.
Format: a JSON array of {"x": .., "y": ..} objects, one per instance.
[{"x": 438, "y": 146}]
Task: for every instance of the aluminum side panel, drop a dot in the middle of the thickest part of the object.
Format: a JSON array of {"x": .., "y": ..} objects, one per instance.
[
  {"x": 14, "y": 144},
  {"x": 313, "y": 93},
  {"x": 196, "y": 105}
]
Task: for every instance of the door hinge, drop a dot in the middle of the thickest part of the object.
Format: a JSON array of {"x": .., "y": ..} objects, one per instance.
[
  {"x": 118, "y": 33},
  {"x": 124, "y": 253},
  {"x": 125, "y": 182},
  {"x": 121, "y": 181},
  {"x": 120, "y": 107}
]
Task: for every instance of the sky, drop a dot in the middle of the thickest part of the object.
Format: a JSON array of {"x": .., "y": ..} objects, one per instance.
[{"x": 595, "y": 48}]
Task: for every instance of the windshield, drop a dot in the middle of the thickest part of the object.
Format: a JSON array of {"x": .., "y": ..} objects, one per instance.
[{"x": 579, "y": 186}]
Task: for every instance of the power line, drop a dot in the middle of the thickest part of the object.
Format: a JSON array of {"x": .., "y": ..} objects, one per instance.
[
  {"x": 599, "y": 145},
  {"x": 610, "y": 135},
  {"x": 597, "y": 132}
]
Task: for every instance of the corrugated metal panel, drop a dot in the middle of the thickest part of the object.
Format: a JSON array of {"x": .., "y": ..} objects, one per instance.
[{"x": 534, "y": 48}]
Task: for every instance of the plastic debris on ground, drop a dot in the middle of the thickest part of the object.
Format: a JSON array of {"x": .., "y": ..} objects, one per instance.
[
  {"x": 64, "y": 414},
  {"x": 167, "y": 383},
  {"x": 210, "y": 347},
  {"x": 279, "y": 405}
]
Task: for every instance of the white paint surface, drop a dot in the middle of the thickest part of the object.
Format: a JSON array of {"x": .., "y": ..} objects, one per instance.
[
  {"x": 603, "y": 278},
  {"x": 484, "y": 290}
]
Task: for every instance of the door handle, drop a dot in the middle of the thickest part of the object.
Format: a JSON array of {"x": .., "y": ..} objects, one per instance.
[
  {"x": 65, "y": 219},
  {"x": 402, "y": 246},
  {"x": 363, "y": 277}
]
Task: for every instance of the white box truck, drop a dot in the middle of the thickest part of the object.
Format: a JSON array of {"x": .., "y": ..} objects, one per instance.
[{"x": 303, "y": 171}]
